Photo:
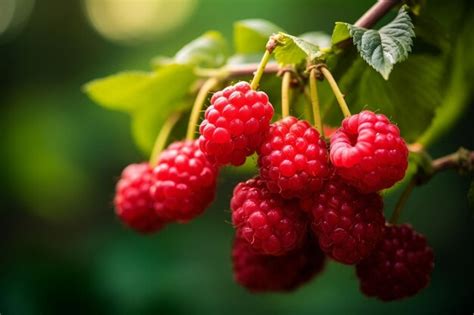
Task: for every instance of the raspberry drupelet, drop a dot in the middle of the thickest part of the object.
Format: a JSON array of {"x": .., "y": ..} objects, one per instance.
[
  {"x": 270, "y": 224},
  {"x": 184, "y": 182},
  {"x": 348, "y": 224},
  {"x": 400, "y": 267},
  {"x": 133, "y": 203},
  {"x": 234, "y": 124},
  {"x": 293, "y": 158},
  {"x": 368, "y": 152},
  {"x": 266, "y": 273}
]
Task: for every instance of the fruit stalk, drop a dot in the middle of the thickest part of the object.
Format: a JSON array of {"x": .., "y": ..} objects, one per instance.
[
  {"x": 198, "y": 104},
  {"x": 162, "y": 137},
  {"x": 337, "y": 92},
  {"x": 261, "y": 68},
  {"x": 402, "y": 201},
  {"x": 313, "y": 90},
  {"x": 285, "y": 94}
]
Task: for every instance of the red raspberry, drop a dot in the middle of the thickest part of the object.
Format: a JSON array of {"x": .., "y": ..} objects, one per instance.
[
  {"x": 185, "y": 182},
  {"x": 133, "y": 204},
  {"x": 348, "y": 224},
  {"x": 400, "y": 267},
  {"x": 272, "y": 225},
  {"x": 234, "y": 124},
  {"x": 293, "y": 158},
  {"x": 368, "y": 152},
  {"x": 263, "y": 273}
]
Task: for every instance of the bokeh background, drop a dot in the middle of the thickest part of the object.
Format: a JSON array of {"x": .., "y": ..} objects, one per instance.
[{"x": 63, "y": 250}]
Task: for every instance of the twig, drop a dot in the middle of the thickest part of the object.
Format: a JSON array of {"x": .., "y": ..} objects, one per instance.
[{"x": 376, "y": 12}]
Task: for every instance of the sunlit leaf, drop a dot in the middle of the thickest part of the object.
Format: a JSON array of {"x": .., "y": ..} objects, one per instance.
[{"x": 251, "y": 36}]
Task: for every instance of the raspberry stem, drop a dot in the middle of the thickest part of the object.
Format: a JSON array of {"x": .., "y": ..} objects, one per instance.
[
  {"x": 313, "y": 90},
  {"x": 198, "y": 104},
  {"x": 261, "y": 68},
  {"x": 337, "y": 92},
  {"x": 403, "y": 200},
  {"x": 285, "y": 94},
  {"x": 162, "y": 137}
]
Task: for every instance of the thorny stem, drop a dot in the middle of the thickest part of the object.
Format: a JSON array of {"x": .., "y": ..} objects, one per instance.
[
  {"x": 461, "y": 160},
  {"x": 162, "y": 137},
  {"x": 313, "y": 90},
  {"x": 335, "y": 89},
  {"x": 198, "y": 104},
  {"x": 285, "y": 94}
]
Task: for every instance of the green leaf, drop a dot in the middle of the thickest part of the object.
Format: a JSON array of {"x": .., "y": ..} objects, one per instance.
[
  {"x": 251, "y": 36},
  {"x": 294, "y": 50},
  {"x": 319, "y": 39},
  {"x": 148, "y": 97},
  {"x": 470, "y": 195},
  {"x": 118, "y": 91},
  {"x": 132, "y": 91},
  {"x": 390, "y": 45},
  {"x": 209, "y": 50},
  {"x": 340, "y": 33}
]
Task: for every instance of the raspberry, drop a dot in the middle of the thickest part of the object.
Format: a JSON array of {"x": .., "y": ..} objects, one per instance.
[
  {"x": 348, "y": 224},
  {"x": 133, "y": 204},
  {"x": 263, "y": 273},
  {"x": 400, "y": 266},
  {"x": 234, "y": 124},
  {"x": 185, "y": 182},
  {"x": 368, "y": 152},
  {"x": 293, "y": 158},
  {"x": 271, "y": 225}
]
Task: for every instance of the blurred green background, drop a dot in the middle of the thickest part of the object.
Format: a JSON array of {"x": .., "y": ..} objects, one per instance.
[{"x": 63, "y": 250}]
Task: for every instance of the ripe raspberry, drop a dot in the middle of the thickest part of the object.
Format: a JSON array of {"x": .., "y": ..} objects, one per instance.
[
  {"x": 293, "y": 158},
  {"x": 368, "y": 152},
  {"x": 234, "y": 124},
  {"x": 271, "y": 225},
  {"x": 185, "y": 182},
  {"x": 133, "y": 204},
  {"x": 348, "y": 224},
  {"x": 400, "y": 266},
  {"x": 264, "y": 273}
]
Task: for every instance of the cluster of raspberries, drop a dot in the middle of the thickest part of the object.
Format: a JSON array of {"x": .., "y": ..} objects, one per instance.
[{"x": 310, "y": 200}]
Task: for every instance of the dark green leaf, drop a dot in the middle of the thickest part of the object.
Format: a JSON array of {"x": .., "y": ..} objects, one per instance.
[
  {"x": 209, "y": 50},
  {"x": 383, "y": 48},
  {"x": 251, "y": 36}
]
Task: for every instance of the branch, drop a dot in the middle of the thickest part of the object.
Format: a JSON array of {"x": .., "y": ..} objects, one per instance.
[
  {"x": 376, "y": 12},
  {"x": 461, "y": 160}
]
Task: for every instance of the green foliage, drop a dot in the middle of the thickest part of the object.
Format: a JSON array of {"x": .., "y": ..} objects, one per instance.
[
  {"x": 319, "y": 39},
  {"x": 251, "y": 36},
  {"x": 208, "y": 51},
  {"x": 148, "y": 96},
  {"x": 119, "y": 91},
  {"x": 294, "y": 50},
  {"x": 382, "y": 48},
  {"x": 415, "y": 95},
  {"x": 340, "y": 33}
]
